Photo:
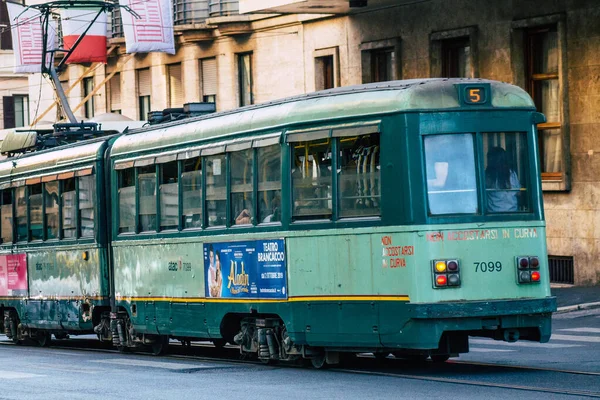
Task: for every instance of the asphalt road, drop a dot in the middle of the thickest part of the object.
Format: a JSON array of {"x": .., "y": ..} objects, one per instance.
[{"x": 566, "y": 368}]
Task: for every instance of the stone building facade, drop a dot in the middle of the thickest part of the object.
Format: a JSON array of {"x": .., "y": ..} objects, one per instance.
[{"x": 279, "y": 48}]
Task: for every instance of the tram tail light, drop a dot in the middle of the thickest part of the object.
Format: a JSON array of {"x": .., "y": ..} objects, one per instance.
[
  {"x": 528, "y": 269},
  {"x": 446, "y": 273}
]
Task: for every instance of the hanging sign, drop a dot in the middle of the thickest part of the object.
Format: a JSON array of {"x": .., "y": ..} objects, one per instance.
[{"x": 153, "y": 30}]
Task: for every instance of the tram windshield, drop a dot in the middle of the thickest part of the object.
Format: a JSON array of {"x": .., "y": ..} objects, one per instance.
[{"x": 452, "y": 171}]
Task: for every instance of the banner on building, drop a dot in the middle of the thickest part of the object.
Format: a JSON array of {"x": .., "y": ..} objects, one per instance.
[
  {"x": 153, "y": 30},
  {"x": 28, "y": 38},
  {"x": 92, "y": 47},
  {"x": 253, "y": 269}
]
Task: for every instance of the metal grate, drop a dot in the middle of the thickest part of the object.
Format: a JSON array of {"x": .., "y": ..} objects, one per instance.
[{"x": 561, "y": 269}]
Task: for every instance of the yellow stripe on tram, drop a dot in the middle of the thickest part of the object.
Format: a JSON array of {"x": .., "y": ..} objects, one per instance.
[{"x": 249, "y": 300}]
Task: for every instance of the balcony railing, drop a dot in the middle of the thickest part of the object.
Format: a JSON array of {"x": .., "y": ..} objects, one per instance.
[
  {"x": 185, "y": 12},
  {"x": 223, "y": 8},
  {"x": 116, "y": 23},
  {"x": 189, "y": 11}
]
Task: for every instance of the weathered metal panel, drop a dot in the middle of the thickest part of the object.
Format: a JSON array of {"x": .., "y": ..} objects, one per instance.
[{"x": 64, "y": 273}]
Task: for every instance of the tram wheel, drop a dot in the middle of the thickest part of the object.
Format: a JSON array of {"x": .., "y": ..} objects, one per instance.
[
  {"x": 318, "y": 361},
  {"x": 161, "y": 346},
  {"x": 43, "y": 339},
  {"x": 219, "y": 343},
  {"x": 440, "y": 358}
]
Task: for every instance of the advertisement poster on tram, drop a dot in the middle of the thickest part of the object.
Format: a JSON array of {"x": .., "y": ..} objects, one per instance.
[
  {"x": 251, "y": 269},
  {"x": 13, "y": 275}
]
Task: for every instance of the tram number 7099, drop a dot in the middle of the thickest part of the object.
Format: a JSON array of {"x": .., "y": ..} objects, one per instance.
[{"x": 488, "y": 266}]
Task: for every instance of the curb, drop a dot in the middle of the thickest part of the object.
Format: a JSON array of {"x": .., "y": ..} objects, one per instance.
[{"x": 577, "y": 307}]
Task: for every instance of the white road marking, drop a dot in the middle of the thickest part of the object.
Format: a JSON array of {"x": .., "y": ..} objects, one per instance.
[
  {"x": 17, "y": 375},
  {"x": 573, "y": 338},
  {"x": 523, "y": 343},
  {"x": 584, "y": 330},
  {"x": 486, "y": 350},
  {"x": 156, "y": 364}
]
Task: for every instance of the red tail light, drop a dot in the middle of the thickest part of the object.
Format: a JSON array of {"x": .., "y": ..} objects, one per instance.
[
  {"x": 441, "y": 280},
  {"x": 535, "y": 276}
]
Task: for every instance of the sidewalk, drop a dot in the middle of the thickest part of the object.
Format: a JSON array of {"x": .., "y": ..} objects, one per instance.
[{"x": 573, "y": 298}]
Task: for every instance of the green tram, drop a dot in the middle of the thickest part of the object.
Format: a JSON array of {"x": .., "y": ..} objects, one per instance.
[{"x": 396, "y": 217}]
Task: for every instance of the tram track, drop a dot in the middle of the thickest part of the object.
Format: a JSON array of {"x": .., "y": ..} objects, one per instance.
[{"x": 368, "y": 366}]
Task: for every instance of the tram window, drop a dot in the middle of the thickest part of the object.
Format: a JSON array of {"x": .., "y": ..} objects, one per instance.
[
  {"x": 69, "y": 212},
  {"x": 169, "y": 196},
  {"x": 242, "y": 204},
  {"x": 51, "y": 192},
  {"x": 311, "y": 180},
  {"x": 359, "y": 179},
  {"x": 87, "y": 194},
  {"x": 505, "y": 161},
  {"x": 269, "y": 183},
  {"x": 191, "y": 181},
  {"x": 6, "y": 212},
  {"x": 147, "y": 197},
  {"x": 21, "y": 214},
  {"x": 36, "y": 221},
  {"x": 126, "y": 201},
  {"x": 451, "y": 182},
  {"x": 216, "y": 197}
]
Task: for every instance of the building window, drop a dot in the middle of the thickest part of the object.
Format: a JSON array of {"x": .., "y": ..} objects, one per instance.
[
  {"x": 16, "y": 111},
  {"x": 456, "y": 58},
  {"x": 88, "y": 87},
  {"x": 542, "y": 59},
  {"x": 21, "y": 110},
  {"x": 324, "y": 78},
  {"x": 208, "y": 69},
  {"x": 144, "y": 90},
  {"x": 245, "y": 79},
  {"x": 379, "y": 60},
  {"x": 175, "y": 85},
  {"x": 454, "y": 53},
  {"x": 223, "y": 8},
  {"x": 115, "y": 94},
  {"x": 326, "y": 68},
  {"x": 5, "y": 36}
]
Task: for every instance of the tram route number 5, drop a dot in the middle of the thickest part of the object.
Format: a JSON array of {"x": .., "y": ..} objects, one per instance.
[
  {"x": 488, "y": 266},
  {"x": 475, "y": 95}
]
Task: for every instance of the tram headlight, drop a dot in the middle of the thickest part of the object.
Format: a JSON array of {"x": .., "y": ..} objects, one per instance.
[
  {"x": 446, "y": 273},
  {"x": 528, "y": 269}
]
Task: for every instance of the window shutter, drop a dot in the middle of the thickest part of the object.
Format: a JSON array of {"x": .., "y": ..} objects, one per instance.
[
  {"x": 144, "y": 82},
  {"x": 8, "y": 107},
  {"x": 115, "y": 92},
  {"x": 5, "y": 31},
  {"x": 175, "y": 86},
  {"x": 209, "y": 77}
]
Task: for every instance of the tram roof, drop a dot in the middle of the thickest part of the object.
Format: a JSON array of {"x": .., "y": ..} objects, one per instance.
[
  {"x": 345, "y": 102},
  {"x": 46, "y": 161}
]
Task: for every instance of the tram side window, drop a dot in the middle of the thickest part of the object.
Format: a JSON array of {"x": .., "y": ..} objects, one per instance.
[
  {"x": 242, "y": 204},
  {"x": 126, "y": 200},
  {"x": 311, "y": 180},
  {"x": 359, "y": 179},
  {"x": 36, "y": 221},
  {"x": 51, "y": 193},
  {"x": 216, "y": 197},
  {"x": 169, "y": 195},
  {"x": 505, "y": 161},
  {"x": 6, "y": 212},
  {"x": 191, "y": 181},
  {"x": 69, "y": 212},
  {"x": 87, "y": 194},
  {"x": 450, "y": 170},
  {"x": 21, "y": 201},
  {"x": 269, "y": 183},
  {"x": 147, "y": 197}
]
